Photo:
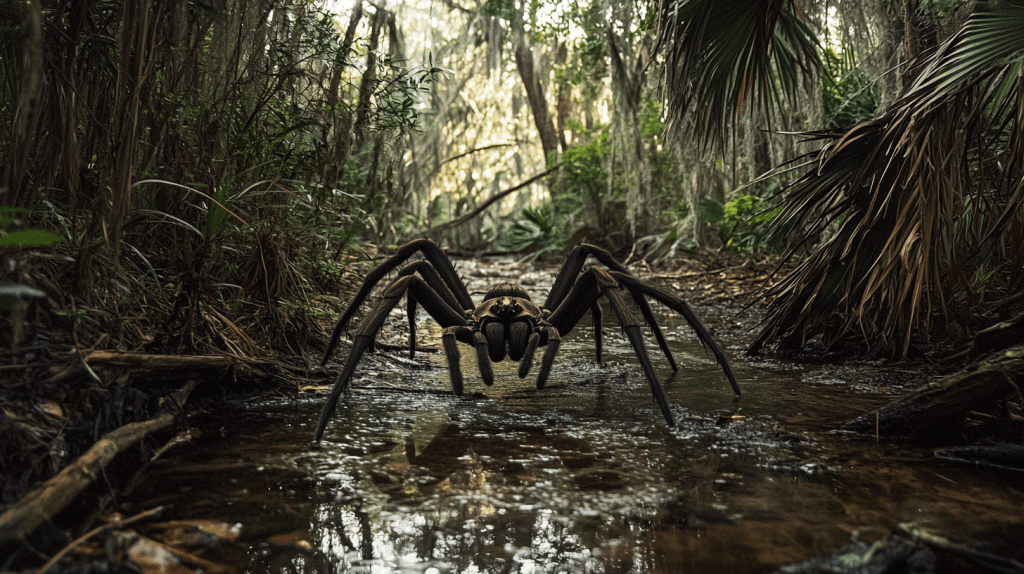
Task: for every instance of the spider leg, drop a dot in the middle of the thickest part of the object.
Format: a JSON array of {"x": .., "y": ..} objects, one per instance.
[
  {"x": 546, "y": 362},
  {"x": 566, "y": 279},
  {"x": 451, "y": 352},
  {"x": 437, "y": 258},
  {"x": 483, "y": 358},
  {"x": 633, "y": 330},
  {"x": 526, "y": 361},
  {"x": 433, "y": 279},
  {"x": 573, "y": 266},
  {"x": 410, "y": 309},
  {"x": 583, "y": 297},
  {"x": 677, "y": 304},
  {"x": 418, "y": 289},
  {"x": 639, "y": 290},
  {"x": 591, "y": 284},
  {"x": 595, "y": 313},
  {"x": 570, "y": 271},
  {"x": 652, "y": 324}
]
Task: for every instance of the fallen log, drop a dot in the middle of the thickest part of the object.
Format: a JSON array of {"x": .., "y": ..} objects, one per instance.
[
  {"x": 931, "y": 413},
  {"x": 189, "y": 363},
  {"x": 48, "y": 500},
  {"x": 173, "y": 366}
]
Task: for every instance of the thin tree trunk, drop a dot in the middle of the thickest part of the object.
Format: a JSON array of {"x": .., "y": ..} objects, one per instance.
[
  {"x": 341, "y": 62},
  {"x": 564, "y": 106},
  {"x": 369, "y": 80},
  {"x": 25, "y": 117}
]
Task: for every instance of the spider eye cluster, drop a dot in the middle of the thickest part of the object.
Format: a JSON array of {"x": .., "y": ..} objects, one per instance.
[{"x": 507, "y": 308}]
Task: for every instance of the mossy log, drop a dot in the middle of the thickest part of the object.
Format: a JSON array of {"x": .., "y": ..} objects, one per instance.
[{"x": 933, "y": 413}]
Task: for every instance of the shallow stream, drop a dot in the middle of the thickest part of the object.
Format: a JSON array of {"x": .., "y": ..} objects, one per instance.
[{"x": 583, "y": 476}]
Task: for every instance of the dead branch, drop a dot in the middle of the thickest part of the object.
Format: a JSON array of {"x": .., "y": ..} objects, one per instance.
[
  {"x": 46, "y": 501},
  {"x": 99, "y": 530},
  {"x": 186, "y": 365},
  {"x": 460, "y": 220}
]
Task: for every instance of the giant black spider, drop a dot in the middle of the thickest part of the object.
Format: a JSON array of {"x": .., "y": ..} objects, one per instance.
[{"x": 508, "y": 323}]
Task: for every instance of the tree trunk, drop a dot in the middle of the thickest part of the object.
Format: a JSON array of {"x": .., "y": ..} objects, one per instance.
[
  {"x": 333, "y": 94},
  {"x": 135, "y": 53},
  {"x": 538, "y": 103},
  {"x": 564, "y": 105},
  {"x": 369, "y": 80}
]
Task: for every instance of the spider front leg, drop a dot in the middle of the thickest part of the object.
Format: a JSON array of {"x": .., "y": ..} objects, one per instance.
[
  {"x": 551, "y": 349},
  {"x": 415, "y": 288},
  {"x": 451, "y": 352},
  {"x": 470, "y": 335},
  {"x": 443, "y": 273}
]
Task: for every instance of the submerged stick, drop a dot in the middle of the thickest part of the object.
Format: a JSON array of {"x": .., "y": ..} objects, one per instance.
[{"x": 99, "y": 530}]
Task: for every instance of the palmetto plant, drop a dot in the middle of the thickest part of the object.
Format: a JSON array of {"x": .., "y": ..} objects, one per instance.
[
  {"x": 927, "y": 201},
  {"x": 918, "y": 210},
  {"x": 724, "y": 57}
]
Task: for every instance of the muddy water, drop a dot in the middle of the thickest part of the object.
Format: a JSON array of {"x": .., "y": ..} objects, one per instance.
[{"x": 581, "y": 477}]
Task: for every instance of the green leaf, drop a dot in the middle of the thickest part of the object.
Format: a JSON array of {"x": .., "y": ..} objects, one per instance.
[{"x": 30, "y": 238}]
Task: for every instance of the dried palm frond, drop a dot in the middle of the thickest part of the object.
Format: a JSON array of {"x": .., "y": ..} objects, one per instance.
[{"x": 928, "y": 199}]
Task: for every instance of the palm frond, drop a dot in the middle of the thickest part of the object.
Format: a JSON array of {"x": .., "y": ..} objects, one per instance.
[
  {"x": 723, "y": 56},
  {"x": 918, "y": 194}
]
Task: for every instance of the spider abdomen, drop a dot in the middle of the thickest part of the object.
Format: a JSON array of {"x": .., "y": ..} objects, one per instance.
[{"x": 506, "y": 290}]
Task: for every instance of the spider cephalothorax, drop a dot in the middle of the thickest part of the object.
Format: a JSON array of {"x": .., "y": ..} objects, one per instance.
[
  {"x": 507, "y": 318},
  {"x": 507, "y": 323}
]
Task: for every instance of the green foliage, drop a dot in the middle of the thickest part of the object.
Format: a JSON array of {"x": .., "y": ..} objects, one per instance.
[
  {"x": 544, "y": 231},
  {"x": 234, "y": 155},
  {"x": 584, "y": 171},
  {"x": 848, "y": 95},
  {"x": 746, "y": 226},
  {"x": 15, "y": 233},
  {"x": 743, "y": 224},
  {"x": 14, "y": 237},
  {"x": 29, "y": 238},
  {"x": 603, "y": 181},
  {"x": 504, "y": 9},
  {"x": 710, "y": 210}
]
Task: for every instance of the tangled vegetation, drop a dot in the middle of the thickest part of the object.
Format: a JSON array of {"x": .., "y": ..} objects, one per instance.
[{"x": 184, "y": 161}]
